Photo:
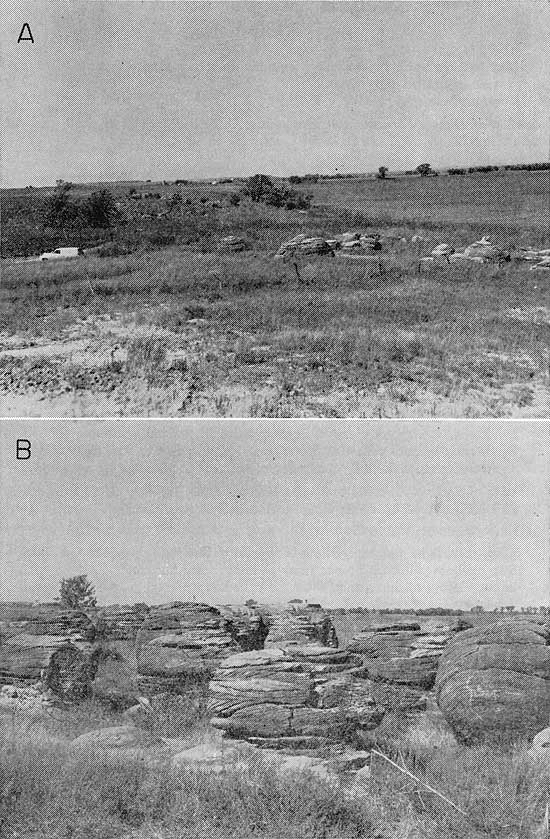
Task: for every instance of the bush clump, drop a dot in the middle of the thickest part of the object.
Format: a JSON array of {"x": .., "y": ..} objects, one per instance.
[{"x": 260, "y": 188}]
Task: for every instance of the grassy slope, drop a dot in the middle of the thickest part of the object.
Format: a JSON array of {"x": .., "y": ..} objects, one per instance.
[{"x": 340, "y": 339}]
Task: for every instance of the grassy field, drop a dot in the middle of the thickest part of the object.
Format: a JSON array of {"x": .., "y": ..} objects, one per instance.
[
  {"x": 173, "y": 327},
  {"x": 49, "y": 789}
]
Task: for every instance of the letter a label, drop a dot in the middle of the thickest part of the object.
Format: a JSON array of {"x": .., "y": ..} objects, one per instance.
[{"x": 25, "y": 34}]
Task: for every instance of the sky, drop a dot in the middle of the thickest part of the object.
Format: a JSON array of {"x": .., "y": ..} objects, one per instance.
[
  {"x": 342, "y": 513},
  {"x": 163, "y": 90}
]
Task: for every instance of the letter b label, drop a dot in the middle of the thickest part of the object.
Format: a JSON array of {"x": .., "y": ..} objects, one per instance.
[{"x": 23, "y": 449}]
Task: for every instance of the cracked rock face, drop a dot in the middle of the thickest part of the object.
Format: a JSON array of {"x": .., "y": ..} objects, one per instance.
[
  {"x": 300, "y": 696},
  {"x": 493, "y": 683}
]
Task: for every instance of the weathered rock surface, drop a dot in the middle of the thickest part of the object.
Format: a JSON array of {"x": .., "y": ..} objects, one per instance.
[
  {"x": 126, "y": 740},
  {"x": 121, "y": 623},
  {"x": 493, "y": 683},
  {"x": 48, "y": 620},
  {"x": 244, "y": 756},
  {"x": 180, "y": 641},
  {"x": 59, "y": 665},
  {"x": 249, "y": 627},
  {"x": 300, "y": 696},
  {"x": 28, "y": 701},
  {"x": 403, "y": 654},
  {"x": 233, "y": 244},
  {"x": 304, "y": 245},
  {"x": 301, "y": 627}
]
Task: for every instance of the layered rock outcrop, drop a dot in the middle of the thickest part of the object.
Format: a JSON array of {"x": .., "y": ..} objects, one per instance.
[
  {"x": 301, "y": 627},
  {"x": 71, "y": 625},
  {"x": 493, "y": 682},
  {"x": 298, "y": 697},
  {"x": 49, "y": 645},
  {"x": 121, "y": 623},
  {"x": 179, "y": 642},
  {"x": 56, "y": 664},
  {"x": 404, "y": 654}
]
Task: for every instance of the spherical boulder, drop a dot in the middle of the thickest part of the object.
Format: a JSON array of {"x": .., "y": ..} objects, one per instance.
[{"x": 493, "y": 682}]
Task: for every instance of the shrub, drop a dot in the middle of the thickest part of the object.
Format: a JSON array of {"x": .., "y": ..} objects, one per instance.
[
  {"x": 261, "y": 188},
  {"x": 145, "y": 355},
  {"x": 257, "y": 187},
  {"x": 100, "y": 209}
]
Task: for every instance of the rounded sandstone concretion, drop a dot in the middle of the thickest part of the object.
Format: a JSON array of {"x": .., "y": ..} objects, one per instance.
[{"x": 493, "y": 682}]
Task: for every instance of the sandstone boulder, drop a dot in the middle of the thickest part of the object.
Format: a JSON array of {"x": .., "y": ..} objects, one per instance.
[
  {"x": 57, "y": 664},
  {"x": 493, "y": 682},
  {"x": 232, "y": 244},
  {"x": 127, "y": 740}
]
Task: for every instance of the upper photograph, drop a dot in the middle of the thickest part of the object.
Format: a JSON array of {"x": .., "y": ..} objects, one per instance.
[{"x": 264, "y": 209}]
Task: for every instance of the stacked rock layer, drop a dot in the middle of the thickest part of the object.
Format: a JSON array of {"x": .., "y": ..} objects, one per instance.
[
  {"x": 403, "y": 654},
  {"x": 298, "y": 697},
  {"x": 301, "y": 627},
  {"x": 121, "y": 623},
  {"x": 493, "y": 682},
  {"x": 179, "y": 642},
  {"x": 50, "y": 645}
]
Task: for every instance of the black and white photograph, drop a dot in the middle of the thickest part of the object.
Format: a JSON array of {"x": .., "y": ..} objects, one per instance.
[
  {"x": 275, "y": 419},
  {"x": 233, "y": 630},
  {"x": 275, "y": 209}
]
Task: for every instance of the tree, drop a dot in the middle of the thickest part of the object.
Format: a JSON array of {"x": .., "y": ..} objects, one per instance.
[
  {"x": 424, "y": 170},
  {"x": 77, "y": 592},
  {"x": 257, "y": 187},
  {"x": 100, "y": 209},
  {"x": 59, "y": 210},
  {"x": 382, "y": 172}
]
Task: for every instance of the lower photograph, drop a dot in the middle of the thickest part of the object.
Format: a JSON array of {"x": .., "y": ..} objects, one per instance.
[{"x": 274, "y": 630}]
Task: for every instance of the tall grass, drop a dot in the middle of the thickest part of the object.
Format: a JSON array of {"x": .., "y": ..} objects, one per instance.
[{"x": 48, "y": 790}]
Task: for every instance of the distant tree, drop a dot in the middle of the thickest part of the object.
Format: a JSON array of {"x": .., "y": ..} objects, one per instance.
[
  {"x": 257, "y": 187},
  {"x": 77, "y": 592},
  {"x": 424, "y": 170},
  {"x": 59, "y": 211},
  {"x": 382, "y": 172},
  {"x": 100, "y": 209},
  {"x": 295, "y": 179}
]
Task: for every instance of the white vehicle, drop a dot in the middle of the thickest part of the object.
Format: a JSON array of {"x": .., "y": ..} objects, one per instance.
[{"x": 61, "y": 253}]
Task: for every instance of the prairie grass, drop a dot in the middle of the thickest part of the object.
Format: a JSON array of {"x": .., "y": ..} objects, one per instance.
[
  {"x": 47, "y": 788},
  {"x": 218, "y": 334}
]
